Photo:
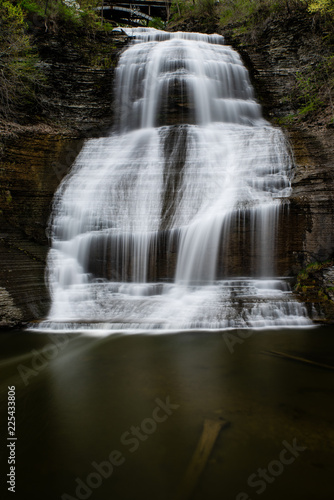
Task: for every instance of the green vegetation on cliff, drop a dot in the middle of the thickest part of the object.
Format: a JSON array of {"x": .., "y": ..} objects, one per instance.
[
  {"x": 22, "y": 79},
  {"x": 228, "y": 11},
  {"x": 19, "y": 71},
  {"x": 323, "y": 6},
  {"x": 246, "y": 22},
  {"x": 22, "y": 71},
  {"x": 315, "y": 287}
]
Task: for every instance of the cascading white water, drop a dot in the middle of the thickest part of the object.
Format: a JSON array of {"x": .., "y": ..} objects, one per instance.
[{"x": 191, "y": 177}]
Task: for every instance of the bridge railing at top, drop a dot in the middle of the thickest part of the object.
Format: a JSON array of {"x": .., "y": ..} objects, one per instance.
[
  {"x": 128, "y": 11},
  {"x": 132, "y": 9},
  {"x": 160, "y": 3}
]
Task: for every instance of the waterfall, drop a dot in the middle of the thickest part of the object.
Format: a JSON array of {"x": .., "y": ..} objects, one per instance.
[{"x": 170, "y": 223}]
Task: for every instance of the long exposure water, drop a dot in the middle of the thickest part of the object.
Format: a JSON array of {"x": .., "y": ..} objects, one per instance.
[
  {"x": 170, "y": 223},
  {"x": 80, "y": 397}
]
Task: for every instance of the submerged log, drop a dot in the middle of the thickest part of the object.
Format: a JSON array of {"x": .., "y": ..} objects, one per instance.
[
  {"x": 211, "y": 429},
  {"x": 298, "y": 359}
]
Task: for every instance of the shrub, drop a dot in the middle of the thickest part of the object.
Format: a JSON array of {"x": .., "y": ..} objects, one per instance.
[
  {"x": 322, "y": 6},
  {"x": 157, "y": 23}
]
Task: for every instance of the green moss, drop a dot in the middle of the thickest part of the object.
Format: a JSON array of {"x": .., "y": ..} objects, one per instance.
[
  {"x": 302, "y": 276},
  {"x": 322, "y": 295},
  {"x": 316, "y": 266},
  {"x": 311, "y": 290},
  {"x": 9, "y": 198}
]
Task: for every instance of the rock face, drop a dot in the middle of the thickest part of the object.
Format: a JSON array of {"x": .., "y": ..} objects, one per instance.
[
  {"x": 76, "y": 102},
  {"x": 9, "y": 313},
  {"x": 79, "y": 72},
  {"x": 274, "y": 56},
  {"x": 313, "y": 190},
  {"x": 30, "y": 171}
]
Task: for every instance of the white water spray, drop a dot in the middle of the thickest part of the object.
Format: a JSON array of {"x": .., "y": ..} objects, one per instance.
[{"x": 191, "y": 176}]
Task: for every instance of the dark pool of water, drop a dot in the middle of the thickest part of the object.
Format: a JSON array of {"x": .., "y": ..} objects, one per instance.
[{"x": 84, "y": 402}]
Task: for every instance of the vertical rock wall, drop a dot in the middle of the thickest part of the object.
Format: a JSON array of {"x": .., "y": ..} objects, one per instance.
[
  {"x": 75, "y": 103},
  {"x": 274, "y": 55}
]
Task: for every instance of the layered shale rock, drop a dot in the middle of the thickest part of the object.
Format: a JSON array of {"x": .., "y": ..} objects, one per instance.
[
  {"x": 76, "y": 103},
  {"x": 30, "y": 172},
  {"x": 9, "y": 313},
  {"x": 79, "y": 71},
  {"x": 275, "y": 55}
]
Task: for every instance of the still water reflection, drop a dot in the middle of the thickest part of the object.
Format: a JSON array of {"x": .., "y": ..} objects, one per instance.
[{"x": 124, "y": 414}]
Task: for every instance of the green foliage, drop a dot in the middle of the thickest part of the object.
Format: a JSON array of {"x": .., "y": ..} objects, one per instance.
[
  {"x": 205, "y": 11},
  {"x": 322, "y": 295},
  {"x": 314, "y": 85},
  {"x": 182, "y": 8},
  {"x": 19, "y": 73},
  {"x": 306, "y": 85},
  {"x": 252, "y": 12},
  {"x": 70, "y": 14},
  {"x": 303, "y": 275},
  {"x": 316, "y": 266},
  {"x": 205, "y": 8},
  {"x": 157, "y": 23},
  {"x": 234, "y": 11},
  {"x": 32, "y": 6},
  {"x": 322, "y": 6},
  {"x": 80, "y": 15},
  {"x": 286, "y": 120},
  {"x": 229, "y": 11}
]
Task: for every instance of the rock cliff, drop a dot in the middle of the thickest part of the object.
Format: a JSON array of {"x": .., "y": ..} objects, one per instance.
[
  {"x": 75, "y": 103},
  {"x": 276, "y": 55}
]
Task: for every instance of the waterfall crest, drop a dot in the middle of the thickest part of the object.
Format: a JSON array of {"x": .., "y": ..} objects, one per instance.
[{"x": 170, "y": 223}]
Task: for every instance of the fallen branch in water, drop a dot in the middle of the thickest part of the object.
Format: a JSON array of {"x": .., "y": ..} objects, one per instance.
[
  {"x": 211, "y": 429},
  {"x": 298, "y": 358}
]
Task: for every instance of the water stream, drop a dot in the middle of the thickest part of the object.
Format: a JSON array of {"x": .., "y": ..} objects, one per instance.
[{"x": 170, "y": 222}]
